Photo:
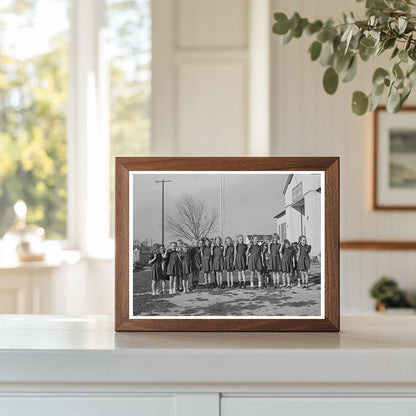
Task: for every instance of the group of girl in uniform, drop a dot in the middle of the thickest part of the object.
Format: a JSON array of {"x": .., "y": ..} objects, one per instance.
[{"x": 181, "y": 264}]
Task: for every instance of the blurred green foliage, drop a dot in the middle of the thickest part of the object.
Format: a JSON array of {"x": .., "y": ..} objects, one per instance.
[
  {"x": 34, "y": 102},
  {"x": 387, "y": 292},
  {"x": 33, "y": 97}
]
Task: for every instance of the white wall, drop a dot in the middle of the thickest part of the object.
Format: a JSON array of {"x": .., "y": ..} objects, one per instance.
[
  {"x": 308, "y": 122},
  {"x": 213, "y": 77}
]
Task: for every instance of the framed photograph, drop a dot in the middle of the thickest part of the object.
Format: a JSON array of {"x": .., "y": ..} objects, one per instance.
[
  {"x": 394, "y": 179},
  {"x": 227, "y": 244}
]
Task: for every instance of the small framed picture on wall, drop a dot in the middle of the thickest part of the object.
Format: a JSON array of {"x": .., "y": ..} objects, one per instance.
[
  {"x": 394, "y": 151},
  {"x": 227, "y": 244}
]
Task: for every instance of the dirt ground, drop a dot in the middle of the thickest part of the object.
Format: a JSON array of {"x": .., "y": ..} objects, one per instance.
[{"x": 228, "y": 302}]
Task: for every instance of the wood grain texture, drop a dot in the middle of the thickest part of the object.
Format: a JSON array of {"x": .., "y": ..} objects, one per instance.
[
  {"x": 330, "y": 165},
  {"x": 376, "y": 205},
  {"x": 378, "y": 245}
]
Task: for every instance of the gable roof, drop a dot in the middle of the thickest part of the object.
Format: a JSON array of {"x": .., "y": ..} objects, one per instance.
[{"x": 289, "y": 179}]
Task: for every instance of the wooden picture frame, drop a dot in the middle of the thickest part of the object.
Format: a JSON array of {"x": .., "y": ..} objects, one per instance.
[
  {"x": 382, "y": 198},
  {"x": 326, "y": 167}
]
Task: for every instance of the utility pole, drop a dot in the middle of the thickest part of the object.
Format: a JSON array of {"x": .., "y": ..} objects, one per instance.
[
  {"x": 163, "y": 208},
  {"x": 222, "y": 214}
]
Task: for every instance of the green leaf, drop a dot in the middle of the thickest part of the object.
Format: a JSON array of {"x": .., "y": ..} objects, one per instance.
[
  {"x": 378, "y": 89},
  {"x": 298, "y": 30},
  {"x": 315, "y": 50},
  {"x": 341, "y": 61},
  {"x": 402, "y": 24},
  {"x": 330, "y": 80},
  {"x": 397, "y": 71},
  {"x": 395, "y": 52},
  {"x": 403, "y": 56},
  {"x": 327, "y": 53},
  {"x": 389, "y": 43},
  {"x": 351, "y": 71},
  {"x": 314, "y": 27},
  {"x": 367, "y": 42},
  {"x": 376, "y": 4},
  {"x": 374, "y": 102},
  {"x": 393, "y": 101},
  {"x": 288, "y": 37},
  {"x": 359, "y": 103},
  {"x": 281, "y": 27},
  {"x": 379, "y": 75}
]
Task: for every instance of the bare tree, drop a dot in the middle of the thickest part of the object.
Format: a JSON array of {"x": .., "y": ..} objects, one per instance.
[{"x": 191, "y": 219}]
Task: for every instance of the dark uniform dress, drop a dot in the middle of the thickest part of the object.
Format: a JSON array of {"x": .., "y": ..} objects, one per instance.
[
  {"x": 174, "y": 264},
  {"x": 254, "y": 261},
  {"x": 156, "y": 267},
  {"x": 288, "y": 253},
  {"x": 217, "y": 259},
  {"x": 165, "y": 262},
  {"x": 186, "y": 259},
  {"x": 304, "y": 261},
  {"x": 196, "y": 259},
  {"x": 275, "y": 263},
  {"x": 206, "y": 259},
  {"x": 266, "y": 259},
  {"x": 229, "y": 258},
  {"x": 240, "y": 257}
]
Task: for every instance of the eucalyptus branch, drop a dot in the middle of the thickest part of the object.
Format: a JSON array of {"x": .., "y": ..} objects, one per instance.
[{"x": 388, "y": 26}]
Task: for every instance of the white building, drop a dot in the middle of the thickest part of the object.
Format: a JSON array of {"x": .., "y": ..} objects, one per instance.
[{"x": 302, "y": 213}]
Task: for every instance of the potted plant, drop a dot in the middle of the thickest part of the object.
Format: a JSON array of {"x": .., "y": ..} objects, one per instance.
[{"x": 387, "y": 294}]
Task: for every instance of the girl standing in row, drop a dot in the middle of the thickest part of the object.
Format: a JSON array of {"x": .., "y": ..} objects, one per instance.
[
  {"x": 229, "y": 261},
  {"x": 196, "y": 263},
  {"x": 217, "y": 251},
  {"x": 186, "y": 259},
  {"x": 255, "y": 264},
  {"x": 174, "y": 267},
  {"x": 288, "y": 255},
  {"x": 240, "y": 261},
  {"x": 206, "y": 262},
  {"x": 156, "y": 272},
  {"x": 303, "y": 260},
  {"x": 275, "y": 262}
]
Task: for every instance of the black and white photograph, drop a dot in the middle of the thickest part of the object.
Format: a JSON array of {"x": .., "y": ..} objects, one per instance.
[
  {"x": 394, "y": 175},
  {"x": 226, "y": 244}
]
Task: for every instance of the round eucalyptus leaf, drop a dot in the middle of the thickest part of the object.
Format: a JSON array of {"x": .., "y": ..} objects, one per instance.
[
  {"x": 379, "y": 75},
  {"x": 330, "y": 80},
  {"x": 314, "y": 27},
  {"x": 315, "y": 50},
  {"x": 351, "y": 71},
  {"x": 281, "y": 27},
  {"x": 359, "y": 103},
  {"x": 378, "y": 89}
]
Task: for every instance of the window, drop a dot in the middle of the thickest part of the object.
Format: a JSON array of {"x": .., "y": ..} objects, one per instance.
[
  {"x": 33, "y": 103},
  {"x": 75, "y": 88},
  {"x": 129, "y": 43}
]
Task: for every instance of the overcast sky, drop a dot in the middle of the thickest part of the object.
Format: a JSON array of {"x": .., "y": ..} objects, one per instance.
[{"x": 250, "y": 201}]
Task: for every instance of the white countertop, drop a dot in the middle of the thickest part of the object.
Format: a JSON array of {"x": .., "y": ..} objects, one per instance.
[{"x": 52, "y": 349}]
